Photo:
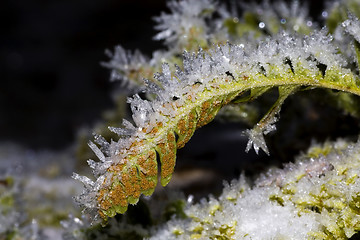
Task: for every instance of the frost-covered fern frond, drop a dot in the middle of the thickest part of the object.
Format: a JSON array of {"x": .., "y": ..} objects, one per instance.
[
  {"x": 191, "y": 97},
  {"x": 193, "y": 24}
]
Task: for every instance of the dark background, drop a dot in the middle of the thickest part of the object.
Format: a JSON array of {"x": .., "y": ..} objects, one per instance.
[{"x": 51, "y": 79}]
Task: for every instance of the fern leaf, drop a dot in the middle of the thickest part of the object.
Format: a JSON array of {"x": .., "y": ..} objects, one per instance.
[{"x": 190, "y": 98}]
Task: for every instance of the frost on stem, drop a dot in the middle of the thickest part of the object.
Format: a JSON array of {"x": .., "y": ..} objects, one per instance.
[{"x": 267, "y": 123}]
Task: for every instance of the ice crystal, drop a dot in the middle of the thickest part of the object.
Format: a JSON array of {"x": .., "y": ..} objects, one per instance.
[
  {"x": 352, "y": 26},
  {"x": 256, "y": 137},
  {"x": 124, "y": 64},
  {"x": 186, "y": 21}
]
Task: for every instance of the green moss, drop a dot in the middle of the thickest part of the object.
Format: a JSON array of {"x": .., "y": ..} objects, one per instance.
[
  {"x": 7, "y": 200},
  {"x": 277, "y": 199}
]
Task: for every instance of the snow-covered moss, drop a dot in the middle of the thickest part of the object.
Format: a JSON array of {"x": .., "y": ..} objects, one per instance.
[
  {"x": 317, "y": 197},
  {"x": 35, "y": 192}
]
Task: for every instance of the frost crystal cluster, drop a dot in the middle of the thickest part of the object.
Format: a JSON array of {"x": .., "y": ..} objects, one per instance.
[{"x": 226, "y": 58}]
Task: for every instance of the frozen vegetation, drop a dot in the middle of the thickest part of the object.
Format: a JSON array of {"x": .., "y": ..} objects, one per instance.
[
  {"x": 317, "y": 197},
  {"x": 218, "y": 56},
  {"x": 184, "y": 98}
]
